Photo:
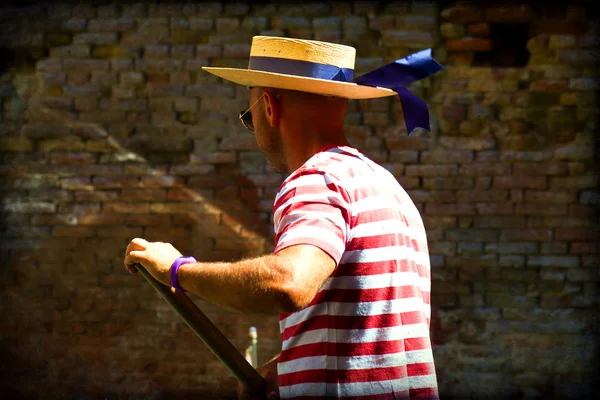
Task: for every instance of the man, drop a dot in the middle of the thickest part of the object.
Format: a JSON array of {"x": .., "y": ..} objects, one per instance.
[{"x": 350, "y": 273}]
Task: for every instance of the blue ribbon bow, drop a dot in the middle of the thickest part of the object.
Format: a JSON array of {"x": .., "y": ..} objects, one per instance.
[
  {"x": 405, "y": 71},
  {"x": 392, "y": 76}
]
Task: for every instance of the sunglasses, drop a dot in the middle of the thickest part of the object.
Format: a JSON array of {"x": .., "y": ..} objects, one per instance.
[{"x": 246, "y": 116}]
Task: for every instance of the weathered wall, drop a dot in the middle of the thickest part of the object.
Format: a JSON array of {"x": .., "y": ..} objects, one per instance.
[{"x": 110, "y": 130}]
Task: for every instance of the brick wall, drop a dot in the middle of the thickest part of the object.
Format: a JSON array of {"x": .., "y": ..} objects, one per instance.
[{"x": 110, "y": 130}]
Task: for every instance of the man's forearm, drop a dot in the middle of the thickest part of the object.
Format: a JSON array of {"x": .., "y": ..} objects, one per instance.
[{"x": 254, "y": 285}]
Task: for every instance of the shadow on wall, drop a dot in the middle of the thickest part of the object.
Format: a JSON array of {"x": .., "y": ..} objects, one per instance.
[{"x": 75, "y": 321}]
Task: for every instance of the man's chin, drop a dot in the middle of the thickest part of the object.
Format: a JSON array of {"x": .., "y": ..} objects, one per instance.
[{"x": 276, "y": 167}]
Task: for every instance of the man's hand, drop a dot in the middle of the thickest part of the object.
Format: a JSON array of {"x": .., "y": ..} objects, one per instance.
[
  {"x": 269, "y": 372},
  {"x": 156, "y": 257}
]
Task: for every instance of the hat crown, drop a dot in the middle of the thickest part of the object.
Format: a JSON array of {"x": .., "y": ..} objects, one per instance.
[{"x": 304, "y": 50}]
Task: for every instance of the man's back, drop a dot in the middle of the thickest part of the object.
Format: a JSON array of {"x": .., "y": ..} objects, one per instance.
[{"x": 366, "y": 333}]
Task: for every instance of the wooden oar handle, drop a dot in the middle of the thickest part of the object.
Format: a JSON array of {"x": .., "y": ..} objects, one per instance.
[{"x": 208, "y": 333}]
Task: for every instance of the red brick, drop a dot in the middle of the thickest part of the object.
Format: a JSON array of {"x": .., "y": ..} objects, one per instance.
[
  {"x": 572, "y": 234},
  {"x": 408, "y": 182},
  {"x": 541, "y": 209},
  {"x": 100, "y": 219},
  {"x": 148, "y": 220},
  {"x": 478, "y": 169},
  {"x": 499, "y": 222},
  {"x": 583, "y": 275},
  {"x": 81, "y": 183},
  {"x": 585, "y": 247},
  {"x": 73, "y": 231},
  {"x": 469, "y": 44},
  {"x": 404, "y": 156},
  {"x": 589, "y": 197},
  {"x": 432, "y": 196},
  {"x": 127, "y": 207},
  {"x": 574, "y": 182},
  {"x": 516, "y": 195},
  {"x": 159, "y": 181},
  {"x": 30, "y": 207},
  {"x": 590, "y": 261},
  {"x": 537, "y": 235},
  {"x": 71, "y": 157},
  {"x": 454, "y": 112},
  {"x": 395, "y": 141},
  {"x": 183, "y": 194},
  {"x": 143, "y": 194},
  {"x": 512, "y": 248},
  {"x": 175, "y": 208},
  {"x": 431, "y": 170},
  {"x": 478, "y": 144},
  {"x": 479, "y": 29},
  {"x": 548, "y": 168},
  {"x": 473, "y": 196},
  {"x": 576, "y": 210},
  {"x": 462, "y": 13},
  {"x": 516, "y": 182},
  {"x": 553, "y": 261},
  {"x": 559, "y": 27},
  {"x": 192, "y": 169},
  {"x": 54, "y": 219},
  {"x": 76, "y": 208},
  {"x": 446, "y": 183},
  {"x": 548, "y": 86},
  {"x": 509, "y": 14},
  {"x": 550, "y": 197},
  {"x": 474, "y": 260},
  {"x": 447, "y": 156},
  {"x": 104, "y": 195},
  {"x": 120, "y": 231},
  {"x": 263, "y": 180},
  {"x": 211, "y": 181},
  {"x": 472, "y": 235},
  {"x": 114, "y": 182},
  {"x": 554, "y": 248},
  {"x": 495, "y": 209},
  {"x": 395, "y": 37},
  {"x": 227, "y": 192},
  {"x": 224, "y": 157},
  {"x": 526, "y": 156},
  {"x": 450, "y": 209},
  {"x": 239, "y": 143}
]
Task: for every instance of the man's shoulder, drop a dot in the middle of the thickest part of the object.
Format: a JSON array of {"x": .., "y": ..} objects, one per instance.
[{"x": 343, "y": 167}]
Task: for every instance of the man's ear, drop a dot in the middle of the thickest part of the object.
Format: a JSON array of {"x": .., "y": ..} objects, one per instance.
[{"x": 272, "y": 107}]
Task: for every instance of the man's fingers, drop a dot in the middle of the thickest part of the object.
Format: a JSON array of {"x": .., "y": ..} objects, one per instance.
[
  {"x": 134, "y": 257},
  {"x": 136, "y": 244},
  {"x": 142, "y": 243}
]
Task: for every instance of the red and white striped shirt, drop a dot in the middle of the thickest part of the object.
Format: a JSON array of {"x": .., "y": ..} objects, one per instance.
[{"x": 365, "y": 335}]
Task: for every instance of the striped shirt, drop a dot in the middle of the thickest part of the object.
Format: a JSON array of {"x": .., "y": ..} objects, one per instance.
[{"x": 365, "y": 335}]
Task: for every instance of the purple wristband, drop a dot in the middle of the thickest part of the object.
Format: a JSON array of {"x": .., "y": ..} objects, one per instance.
[{"x": 175, "y": 267}]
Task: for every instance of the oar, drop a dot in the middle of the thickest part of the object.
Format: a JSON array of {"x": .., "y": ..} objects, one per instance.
[{"x": 208, "y": 333}]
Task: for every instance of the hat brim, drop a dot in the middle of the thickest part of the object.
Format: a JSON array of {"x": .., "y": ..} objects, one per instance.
[{"x": 347, "y": 90}]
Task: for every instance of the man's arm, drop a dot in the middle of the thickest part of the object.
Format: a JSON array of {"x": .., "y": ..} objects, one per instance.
[{"x": 283, "y": 282}]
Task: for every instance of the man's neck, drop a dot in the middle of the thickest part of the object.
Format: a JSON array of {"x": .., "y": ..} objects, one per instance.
[{"x": 300, "y": 148}]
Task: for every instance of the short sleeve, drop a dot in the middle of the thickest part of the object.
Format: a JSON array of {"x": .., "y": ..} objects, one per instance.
[{"x": 312, "y": 208}]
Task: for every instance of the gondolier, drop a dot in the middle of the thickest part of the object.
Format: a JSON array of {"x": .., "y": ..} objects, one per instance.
[{"x": 350, "y": 273}]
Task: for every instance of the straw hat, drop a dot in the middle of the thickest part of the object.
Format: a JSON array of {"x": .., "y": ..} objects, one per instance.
[{"x": 302, "y": 65}]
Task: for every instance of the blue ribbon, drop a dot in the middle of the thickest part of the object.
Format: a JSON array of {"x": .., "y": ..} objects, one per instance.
[
  {"x": 402, "y": 72},
  {"x": 392, "y": 76},
  {"x": 301, "y": 68}
]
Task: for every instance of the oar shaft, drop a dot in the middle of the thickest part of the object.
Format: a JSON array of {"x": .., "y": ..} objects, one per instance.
[{"x": 208, "y": 333}]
